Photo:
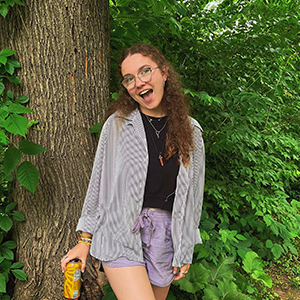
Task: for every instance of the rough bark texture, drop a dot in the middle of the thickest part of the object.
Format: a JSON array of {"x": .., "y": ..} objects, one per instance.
[{"x": 63, "y": 47}]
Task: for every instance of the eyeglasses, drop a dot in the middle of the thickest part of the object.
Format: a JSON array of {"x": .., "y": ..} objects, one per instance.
[{"x": 144, "y": 75}]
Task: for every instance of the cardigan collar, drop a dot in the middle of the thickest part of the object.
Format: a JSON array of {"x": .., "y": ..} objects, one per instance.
[{"x": 135, "y": 119}]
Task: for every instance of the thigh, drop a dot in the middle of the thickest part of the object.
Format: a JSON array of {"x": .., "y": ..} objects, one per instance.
[
  {"x": 160, "y": 293},
  {"x": 129, "y": 282}
]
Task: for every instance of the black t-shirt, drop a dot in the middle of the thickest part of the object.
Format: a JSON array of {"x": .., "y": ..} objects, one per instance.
[{"x": 161, "y": 180}]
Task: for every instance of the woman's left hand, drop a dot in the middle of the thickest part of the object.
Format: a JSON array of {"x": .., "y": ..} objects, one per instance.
[{"x": 182, "y": 272}]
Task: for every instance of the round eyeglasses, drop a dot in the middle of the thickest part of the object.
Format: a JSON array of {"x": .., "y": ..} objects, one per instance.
[{"x": 144, "y": 75}]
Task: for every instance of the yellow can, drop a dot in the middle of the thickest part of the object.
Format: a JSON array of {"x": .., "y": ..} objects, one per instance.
[{"x": 72, "y": 282}]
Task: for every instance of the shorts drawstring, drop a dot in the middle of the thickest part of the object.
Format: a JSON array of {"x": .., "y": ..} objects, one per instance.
[{"x": 140, "y": 223}]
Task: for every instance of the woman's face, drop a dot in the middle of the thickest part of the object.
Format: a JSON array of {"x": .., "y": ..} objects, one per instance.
[{"x": 147, "y": 94}]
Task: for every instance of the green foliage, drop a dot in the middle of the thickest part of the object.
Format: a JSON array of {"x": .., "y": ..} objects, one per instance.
[
  {"x": 11, "y": 122},
  {"x": 7, "y": 267},
  {"x": 6, "y": 4},
  {"x": 239, "y": 62}
]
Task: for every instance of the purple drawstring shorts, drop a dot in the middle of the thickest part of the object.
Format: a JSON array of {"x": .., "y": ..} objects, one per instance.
[{"x": 155, "y": 228}]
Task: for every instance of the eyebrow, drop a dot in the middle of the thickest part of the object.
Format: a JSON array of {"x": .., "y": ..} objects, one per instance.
[{"x": 141, "y": 68}]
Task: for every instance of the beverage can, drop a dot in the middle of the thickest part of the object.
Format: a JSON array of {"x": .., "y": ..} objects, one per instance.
[{"x": 72, "y": 281}]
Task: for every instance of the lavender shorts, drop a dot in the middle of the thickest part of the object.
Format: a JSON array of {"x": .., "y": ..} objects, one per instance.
[{"x": 155, "y": 228}]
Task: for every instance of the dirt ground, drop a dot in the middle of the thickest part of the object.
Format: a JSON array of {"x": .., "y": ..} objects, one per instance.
[{"x": 282, "y": 286}]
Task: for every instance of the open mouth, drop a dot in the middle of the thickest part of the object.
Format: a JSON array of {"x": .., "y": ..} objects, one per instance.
[{"x": 146, "y": 93}]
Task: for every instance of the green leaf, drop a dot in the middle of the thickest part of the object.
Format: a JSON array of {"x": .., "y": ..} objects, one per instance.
[
  {"x": 158, "y": 8},
  {"x": 5, "y": 265},
  {"x": 6, "y": 297},
  {"x": 9, "y": 68},
  {"x": 2, "y": 284},
  {"x": 115, "y": 96},
  {"x": 14, "y": 63},
  {"x": 279, "y": 91},
  {"x": 97, "y": 128},
  {"x": 293, "y": 249},
  {"x": 222, "y": 270},
  {"x": 7, "y": 52},
  {"x": 269, "y": 244},
  {"x": 3, "y": 12},
  {"x": 274, "y": 228},
  {"x": 170, "y": 296},
  {"x": 8, "y": 254},
  {"x": 226, "y": 286},
  {"x": 12, "y": 158},
  {"x": 17, "y": 265},
  {"x": 241, "y": 237},
  {"x": 236, "y": 296},
  {"x": 2, "y": 88},
  {"x": 10, "y": 2},
  {"x": 30, "y": 148},
  {"x": 19, "y": 109},
  {"x": 251, "y": 262},
  {"x": 10, "y": 206},
  {"x": 28, "y": 176},
  {"x": 243, "y": 221},
  {"x": 16, "y": 124},
  {"x": 175, "y": 26},
  {"x": 195, "y": 279},
  {"x": 14, "y": 79},
  {"x": 202, "y": 253},
  {"x": 109, "y": 294},
  {"x": 260, "y": 275},
  {"x": 10, "y": 95},
  {"x": 5, "y": 223},
  {"x": 18, "y": 216},
  {"x": 3, "y": 59},
  {"x": 268, "y": 219},
  {"x": 3, "y": 138},
  {"x": 19, "y": 274},
  {"x": 277, "y": 250},
  {"x": 9, "y": 245},
  {"x": 22, "y": 99},
  {"x": 19, "y": 2},
  {"x": 181, "y": 9},
  {"x": 211, "y": 293}
]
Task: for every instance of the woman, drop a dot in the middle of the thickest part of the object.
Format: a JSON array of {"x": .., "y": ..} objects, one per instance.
[{"x": 143, "y": 205}]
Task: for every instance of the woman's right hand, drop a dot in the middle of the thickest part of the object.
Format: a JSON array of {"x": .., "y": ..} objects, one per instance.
[{"x": 80, "y": 251}]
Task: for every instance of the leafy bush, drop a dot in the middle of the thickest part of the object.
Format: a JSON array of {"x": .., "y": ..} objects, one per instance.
[{"x": 239, "y": 61}]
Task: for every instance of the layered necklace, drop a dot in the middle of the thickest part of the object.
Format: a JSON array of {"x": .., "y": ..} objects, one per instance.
[{"x": 157, "y": 132}]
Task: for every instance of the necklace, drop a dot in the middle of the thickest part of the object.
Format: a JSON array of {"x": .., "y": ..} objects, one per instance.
[
  {"x": 156, "y": 131},
  {"x": 160, "y": 156}
]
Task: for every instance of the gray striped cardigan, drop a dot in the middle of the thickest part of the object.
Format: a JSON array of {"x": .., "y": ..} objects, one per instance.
[{"x": 115, "y": 194}]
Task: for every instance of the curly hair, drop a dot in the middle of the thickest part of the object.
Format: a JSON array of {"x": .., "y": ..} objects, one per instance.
[{"x": 179, "y": 136}]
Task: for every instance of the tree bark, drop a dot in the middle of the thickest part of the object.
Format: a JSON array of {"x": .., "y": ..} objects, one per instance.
[{"x": 63, "y": 47}]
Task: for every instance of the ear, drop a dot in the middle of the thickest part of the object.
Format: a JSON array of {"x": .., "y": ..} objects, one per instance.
[{"x": 164, "y": 72}]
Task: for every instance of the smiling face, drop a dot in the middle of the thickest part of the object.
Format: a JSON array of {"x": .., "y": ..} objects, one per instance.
[{"x": 147, "y": 94}]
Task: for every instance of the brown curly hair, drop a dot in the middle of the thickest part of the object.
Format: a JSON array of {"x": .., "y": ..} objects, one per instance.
[{"x": 179, "y": 137}]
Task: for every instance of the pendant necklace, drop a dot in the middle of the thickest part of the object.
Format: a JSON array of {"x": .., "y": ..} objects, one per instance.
[
  {"x": 156, "y": 131},
  {"x": 160, "y": 156}
]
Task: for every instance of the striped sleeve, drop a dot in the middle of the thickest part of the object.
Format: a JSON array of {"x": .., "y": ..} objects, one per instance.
[
  {"x": 90, "y": 211},
  {"x": 198, "y": 174}
]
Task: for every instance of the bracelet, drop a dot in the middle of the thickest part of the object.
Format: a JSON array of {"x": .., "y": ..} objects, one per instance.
[
  {"x": 85, "y": 237},
  {"x": 85, "y": 240}
]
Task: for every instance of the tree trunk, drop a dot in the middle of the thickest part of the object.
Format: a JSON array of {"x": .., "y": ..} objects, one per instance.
[{"x": 63, "y": 47}]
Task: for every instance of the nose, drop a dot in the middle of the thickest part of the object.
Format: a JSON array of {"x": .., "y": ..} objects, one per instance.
[{"x": 139, "y": 82}]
